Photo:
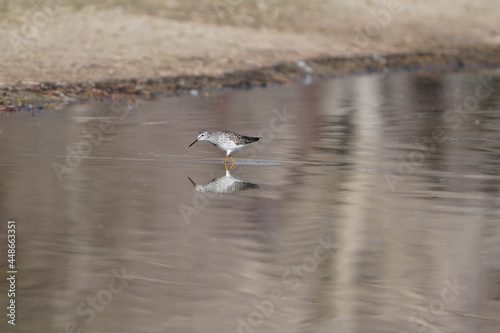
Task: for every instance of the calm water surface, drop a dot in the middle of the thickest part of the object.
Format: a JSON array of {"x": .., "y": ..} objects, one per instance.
[{"x": 371, "y": 204}]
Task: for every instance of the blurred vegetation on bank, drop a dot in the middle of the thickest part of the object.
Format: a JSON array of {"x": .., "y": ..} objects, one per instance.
[{"x": 288, "y": 15}]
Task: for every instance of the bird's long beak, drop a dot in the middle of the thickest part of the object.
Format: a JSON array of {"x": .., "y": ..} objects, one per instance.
[
  {"x": 193, "y": 143},
  {"x": 194, "y": 184}
]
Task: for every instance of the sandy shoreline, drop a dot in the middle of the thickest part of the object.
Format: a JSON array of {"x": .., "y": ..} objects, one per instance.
[{"x": 54, "y": 52}]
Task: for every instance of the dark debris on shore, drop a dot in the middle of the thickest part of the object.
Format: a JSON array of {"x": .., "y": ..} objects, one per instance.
[{"x": 19, "y": 97}]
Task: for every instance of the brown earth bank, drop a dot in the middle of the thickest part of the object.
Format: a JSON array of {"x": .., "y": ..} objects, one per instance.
[{"x": 66, "y": 52}]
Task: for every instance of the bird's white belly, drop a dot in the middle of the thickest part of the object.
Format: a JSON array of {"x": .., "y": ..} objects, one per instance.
[{"x": 230, "y": 147}]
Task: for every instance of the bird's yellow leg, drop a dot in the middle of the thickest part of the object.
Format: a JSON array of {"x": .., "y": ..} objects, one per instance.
[
  {"x": 225, "y": 161},
  {"x": 231, "y": 158}
]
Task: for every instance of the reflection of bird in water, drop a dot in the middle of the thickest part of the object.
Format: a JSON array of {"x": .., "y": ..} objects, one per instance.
[
  {"x": 225, "y": 140},
  {"x": 224, "y": 185}
]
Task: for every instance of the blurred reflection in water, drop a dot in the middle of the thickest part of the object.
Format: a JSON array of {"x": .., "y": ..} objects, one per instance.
[
  {"x": 372, "y": 204},
  {"x": 224, "y": 184}
]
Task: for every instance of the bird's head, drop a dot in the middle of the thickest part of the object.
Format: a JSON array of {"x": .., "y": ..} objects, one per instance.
[{"x": 203, "y": 136}]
